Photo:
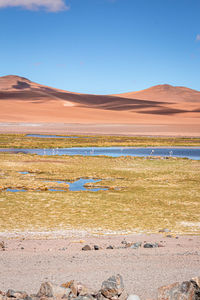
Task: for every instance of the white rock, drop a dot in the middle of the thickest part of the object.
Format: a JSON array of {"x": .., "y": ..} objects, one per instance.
[{"x": 133, "y": 297}]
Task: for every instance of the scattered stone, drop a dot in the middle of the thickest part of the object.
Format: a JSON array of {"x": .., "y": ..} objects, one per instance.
[
  {"x": 86, "y": 248},
  {"x": 164, "y": 230},
  {"x": 160, "y": 245},
  {"x": 2, "y": 246},
  {"x": 128, "y": 245},
  {"x": 47, "y": 289},
  {"x": 113, "y": 287},
  {"x": 110, "y": 247},
  {"x": 96, "y": 247},
  {"x": 151, "y": 245},
  {"x": 136, "y": 245},
  {"x": 133, "y": 297},
  {"x": 124, "y": 242}
]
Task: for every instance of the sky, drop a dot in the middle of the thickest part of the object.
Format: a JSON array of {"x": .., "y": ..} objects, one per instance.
[{"x": 101, "y": 46}]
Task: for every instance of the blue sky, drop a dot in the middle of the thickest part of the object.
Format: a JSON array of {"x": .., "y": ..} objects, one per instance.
[{"x": 101, "y": 46}]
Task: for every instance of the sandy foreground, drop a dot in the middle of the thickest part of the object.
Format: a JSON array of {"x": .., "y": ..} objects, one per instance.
[
  {"x": 177, "y": 130},
  {"x": 28, "y": 262}
]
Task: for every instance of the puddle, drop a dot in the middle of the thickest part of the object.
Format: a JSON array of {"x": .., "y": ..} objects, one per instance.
[
  {"x": 182, "y": 152},
  {"x": 47, "y": 136},
  {"x": 15, "y": 190},
  {"x": 79, "y": 185},
  {"x": 56, "y": 190},
  {"x": 24, "y": 173},
  {"x": 76, "y": 186}
]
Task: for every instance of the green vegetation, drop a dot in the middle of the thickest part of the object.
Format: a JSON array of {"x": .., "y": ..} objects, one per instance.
[
  {"x": 22, "y": 141},
  {"x": 144, "y": 194}
]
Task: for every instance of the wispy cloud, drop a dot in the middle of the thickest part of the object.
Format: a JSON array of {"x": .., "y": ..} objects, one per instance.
[
  {"x": 49, "y": 5},
  {"x": 198, "y": 37}
]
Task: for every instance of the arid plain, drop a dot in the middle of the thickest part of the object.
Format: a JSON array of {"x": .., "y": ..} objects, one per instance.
[{"x": 44, "y": 232}]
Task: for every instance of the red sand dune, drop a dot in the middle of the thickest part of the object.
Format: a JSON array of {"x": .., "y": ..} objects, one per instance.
[{"x": 24, "y": 101}]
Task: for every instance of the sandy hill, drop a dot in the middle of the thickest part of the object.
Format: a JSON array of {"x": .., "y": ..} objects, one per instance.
[
  {"x": 22, "y": 100},
  {"x": 165, "y": 93}
]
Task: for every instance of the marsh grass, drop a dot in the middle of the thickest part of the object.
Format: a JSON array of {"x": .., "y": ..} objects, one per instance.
[
  {"x": 143, "y": 195},
  {"x": 22, "y": 141}
]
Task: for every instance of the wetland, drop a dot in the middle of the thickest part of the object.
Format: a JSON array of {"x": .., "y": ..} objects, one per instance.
[{"x": 142, "y": 195}]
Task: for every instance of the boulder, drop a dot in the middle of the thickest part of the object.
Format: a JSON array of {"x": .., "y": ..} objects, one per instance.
[
  {"x": 99, "y": 296},
  {"x": 86, "y": 297},
  {"x": 123, "y": 296},
  {"x": 190, "y": 290},
  {"x": 16, "y": 294},
  {"x": 113, "y": 287},
  {"x": 77, "y": 289},
  {"x": 187, "y": 290},
  {"x": 197, "y": 280},
  {"x": 168, "y": 292},
  {"x": 48, "y": 289},
  {"x": 133, "y": 297},
  {"x": 28, "y": 298},
  {"x": 72, "y": 286}
]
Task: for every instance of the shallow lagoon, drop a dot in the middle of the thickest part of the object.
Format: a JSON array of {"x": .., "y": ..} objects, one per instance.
[{"x": 191, "y": 153}]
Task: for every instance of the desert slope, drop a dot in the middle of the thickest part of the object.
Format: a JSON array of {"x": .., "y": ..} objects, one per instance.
[
  {"x": 165, "y": 93},
  {"x": 22, "y": 100}
]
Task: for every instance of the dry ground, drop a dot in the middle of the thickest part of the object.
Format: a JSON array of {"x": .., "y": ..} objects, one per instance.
[{"x": 143, "y": 270}]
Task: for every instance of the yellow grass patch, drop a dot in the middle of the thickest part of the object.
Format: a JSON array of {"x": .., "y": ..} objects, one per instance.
[{"x": 144, "y": 195}]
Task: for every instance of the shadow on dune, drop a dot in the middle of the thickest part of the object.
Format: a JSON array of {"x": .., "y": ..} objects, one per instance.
[
  {"x": 21, "y": 85},
  {"x": 164, "y": 111},
  {"x": 104, "y": 102}
]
